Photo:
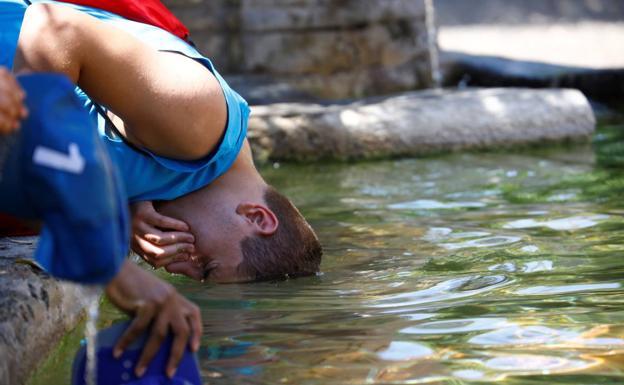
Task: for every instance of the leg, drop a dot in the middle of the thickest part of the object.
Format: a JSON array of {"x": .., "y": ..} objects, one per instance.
[{"x": 170, "y": 104}]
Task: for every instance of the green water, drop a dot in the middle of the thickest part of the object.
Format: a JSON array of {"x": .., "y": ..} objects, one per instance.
[{"x": 468, "y": 268}]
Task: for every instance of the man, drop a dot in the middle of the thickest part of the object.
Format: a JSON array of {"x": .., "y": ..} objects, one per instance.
[{"x": 183, "y": 137}]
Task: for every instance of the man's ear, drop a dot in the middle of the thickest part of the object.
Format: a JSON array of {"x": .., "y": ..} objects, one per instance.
[{"x": 260, "y": 217}]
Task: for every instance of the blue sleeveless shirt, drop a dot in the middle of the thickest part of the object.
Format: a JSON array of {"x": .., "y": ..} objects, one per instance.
[{"x": 147, "y": 176}]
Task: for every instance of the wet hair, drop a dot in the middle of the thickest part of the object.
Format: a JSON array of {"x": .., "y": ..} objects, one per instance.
[{"x": 292, "y": 251}]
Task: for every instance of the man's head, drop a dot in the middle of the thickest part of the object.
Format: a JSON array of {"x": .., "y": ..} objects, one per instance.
[
  {"x": 291, "y": 250},
  {"x": 245, "y": 237}
]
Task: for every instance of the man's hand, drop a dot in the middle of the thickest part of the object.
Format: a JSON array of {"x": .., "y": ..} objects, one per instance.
[
  {"x": 12, "y": 108},
  {"x": 159, "y": 239},
  {"x": 154, "y": 302}
]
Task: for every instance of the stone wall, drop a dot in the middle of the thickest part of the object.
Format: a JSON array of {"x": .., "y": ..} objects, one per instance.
[{"x": 325, "y": 48}]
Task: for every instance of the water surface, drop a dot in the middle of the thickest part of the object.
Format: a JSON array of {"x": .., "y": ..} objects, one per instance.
[{"x": 462, "y": 269}]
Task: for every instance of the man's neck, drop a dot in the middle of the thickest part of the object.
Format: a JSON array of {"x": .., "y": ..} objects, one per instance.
[{"x": 242, "y": 182}]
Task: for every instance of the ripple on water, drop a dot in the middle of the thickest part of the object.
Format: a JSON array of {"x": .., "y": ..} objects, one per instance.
[
  {"x": 530, "y": 249},
  {"x": 497, "y": 240},
  {"x": 562, "y": 224},
  {"x": 457, "y": 326},
  {"x": 523, "y": 335},
  {"x": 537, "y": 266},
  {"x": 564, "y": 289},
  {"x": 480, "y": 238},
  {"x": 469, "y": 374},
  {"x": 537, "y": 364},
  {"x": 527, "y": 267},
  {"x": 404, "y": 350},
  {"x": 430, "y": 204},
  {"x": 449, "y": 289},
  {"x": 437, "y": 233}
]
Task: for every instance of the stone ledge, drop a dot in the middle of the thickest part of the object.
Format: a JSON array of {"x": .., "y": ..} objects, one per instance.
[
  {"x": 36, "y": 311},
  {"x": 419, "y": 123}
]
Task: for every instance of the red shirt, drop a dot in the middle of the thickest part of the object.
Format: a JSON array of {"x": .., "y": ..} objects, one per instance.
[{"x": 144, "y": 11}]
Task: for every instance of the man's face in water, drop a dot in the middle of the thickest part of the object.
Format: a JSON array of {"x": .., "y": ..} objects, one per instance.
[{"x": 217, "y": 249}]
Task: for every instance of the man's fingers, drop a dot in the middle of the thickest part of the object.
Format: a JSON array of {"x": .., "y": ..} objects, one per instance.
[
  {"x": 160, "y": 256},
  {"x": 10, "y": 115},
  {"x": 168, "y": 238},
  {"x": 157, "y": 335},
  {"x": 196, "y": 328},
  {"x": 161, "y": 238},
  {"x": 180, "y": 341},
  {"x": 24, "y": 112},
  {"x": 141, "y": 321},
  {"x": 10, "y": 108},
  {"x": 173, "y": 259},
  {"x": 6, "y": 127},
  {"x": 164, "y": 222},
  {"x": 9, "y": 124}
]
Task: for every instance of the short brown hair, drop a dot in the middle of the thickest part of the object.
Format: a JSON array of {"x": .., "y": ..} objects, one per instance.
[{"x": 293, "y": 250}]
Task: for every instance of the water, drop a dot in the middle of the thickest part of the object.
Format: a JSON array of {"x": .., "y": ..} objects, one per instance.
[
  {"x": 92, "y": 299},
  {"x": 462, "y": 269}
]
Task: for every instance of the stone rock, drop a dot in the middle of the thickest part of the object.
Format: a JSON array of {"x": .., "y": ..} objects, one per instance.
[
  {"x": 419, "y": 123},
  {"x": 265, "y": 89},
  {"x": 279, "y": 15},
  {"x": 36, "y": 311},
  {"x": 329, "y": 49}
]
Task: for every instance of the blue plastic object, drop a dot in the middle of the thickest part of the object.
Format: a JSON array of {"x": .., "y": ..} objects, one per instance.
[
  {"x": 111, "y": 371},
  {"x": 59, "y": 171}
]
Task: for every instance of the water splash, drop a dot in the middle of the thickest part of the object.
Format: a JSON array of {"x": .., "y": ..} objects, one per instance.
[
  {"x": 92, "y": 299},
  {"x": 434, "y": 61}
]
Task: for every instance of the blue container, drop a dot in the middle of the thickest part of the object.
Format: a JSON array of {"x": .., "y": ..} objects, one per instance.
[{"x": 112, "y": 371}]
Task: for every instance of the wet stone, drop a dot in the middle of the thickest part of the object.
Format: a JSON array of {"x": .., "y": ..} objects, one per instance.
[{"x": 35, "y": 310}]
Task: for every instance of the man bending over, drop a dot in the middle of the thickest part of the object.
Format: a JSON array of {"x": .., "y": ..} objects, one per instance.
[{"x": 182, "y": 143}]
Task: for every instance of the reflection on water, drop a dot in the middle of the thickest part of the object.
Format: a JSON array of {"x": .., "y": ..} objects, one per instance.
[
  {"x": 453, "y": 270},
  {"x": 402, "y": 351},
  {"x": 570, "y": 223}
]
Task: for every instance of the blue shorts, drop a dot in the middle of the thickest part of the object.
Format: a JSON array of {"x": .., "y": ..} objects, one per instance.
[{"x": 146, "y": 176}]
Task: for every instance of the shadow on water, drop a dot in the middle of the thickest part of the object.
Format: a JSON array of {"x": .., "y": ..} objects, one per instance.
[{"x": 467, "y": 268}]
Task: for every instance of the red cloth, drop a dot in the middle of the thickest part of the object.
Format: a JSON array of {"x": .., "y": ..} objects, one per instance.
[{"x": 144, "y": 11}]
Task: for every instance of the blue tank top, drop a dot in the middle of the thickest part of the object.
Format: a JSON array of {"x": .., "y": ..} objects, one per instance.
[{"x": 147, "y": 176}]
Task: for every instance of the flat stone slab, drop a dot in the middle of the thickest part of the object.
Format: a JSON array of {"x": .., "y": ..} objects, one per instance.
[
  {"x": 420, "y": 123},
  {"x": 36, "y": 311}
]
